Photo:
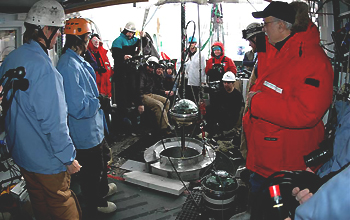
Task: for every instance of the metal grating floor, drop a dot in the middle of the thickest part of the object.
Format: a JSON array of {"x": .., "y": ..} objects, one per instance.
[{"x": 190, "y": 211}]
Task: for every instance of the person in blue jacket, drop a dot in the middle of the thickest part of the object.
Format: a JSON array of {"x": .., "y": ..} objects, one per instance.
[
  {"x": 331, "y": 201},
  {"x": 341, "y": 144},
  {"x": 36, "y": 122},
  {"x": 85, "y": 119}
]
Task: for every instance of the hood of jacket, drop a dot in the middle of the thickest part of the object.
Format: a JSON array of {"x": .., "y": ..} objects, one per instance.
[
  {"x": 221, "y": 45},
  {"x": 93, "y": 49},
  {"x": 303, "y": 43},
  {"x": 307, "y": 40}
]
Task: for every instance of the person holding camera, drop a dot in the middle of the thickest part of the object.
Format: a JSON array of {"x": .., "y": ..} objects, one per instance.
[
  {"x": 125, "y": 49},
  {"x": 331, "y": 201},
  {"x": 85, "y": 119},
  {"x": 224, "y": 111}
]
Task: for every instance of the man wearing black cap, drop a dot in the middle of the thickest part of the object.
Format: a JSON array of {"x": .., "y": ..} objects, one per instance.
[
  {"x": 289, "y": 98},
  {"x": 275, "y": 14}
]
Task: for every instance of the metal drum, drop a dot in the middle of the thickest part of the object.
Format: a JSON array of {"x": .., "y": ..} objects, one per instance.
[
  {"x": 219, "y": 190},
  {"x": 188, "y": 161}
]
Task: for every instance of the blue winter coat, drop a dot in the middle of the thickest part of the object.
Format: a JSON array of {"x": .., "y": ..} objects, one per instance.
[
  {"x": 341, "y": 145},
  {"x": 36, "y": 123},
  {"x": 330, "y": 202},
  {"x": 85, "y": 118}
]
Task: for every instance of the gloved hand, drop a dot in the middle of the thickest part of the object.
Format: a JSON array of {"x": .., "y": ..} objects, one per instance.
[{"x": 105, "y": 103}]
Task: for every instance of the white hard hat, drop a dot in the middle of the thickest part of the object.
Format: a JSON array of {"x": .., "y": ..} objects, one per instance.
[
  {"x": 252, "y": 30},
  {"x": 152, "y": 61},
  {"x": 229, "y": 77},
  {"x": 130, "y": 26},
  {"x": 46, "y": 13}
]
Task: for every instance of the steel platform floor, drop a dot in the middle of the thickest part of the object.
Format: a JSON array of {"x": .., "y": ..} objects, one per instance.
[{"x": 137, "y": 202}]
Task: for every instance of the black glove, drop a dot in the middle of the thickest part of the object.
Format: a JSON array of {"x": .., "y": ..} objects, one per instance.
[{"x": 105, "y": 103}]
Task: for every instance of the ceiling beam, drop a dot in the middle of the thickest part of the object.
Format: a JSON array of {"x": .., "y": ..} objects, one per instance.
[{"x": 96, "y": 4}]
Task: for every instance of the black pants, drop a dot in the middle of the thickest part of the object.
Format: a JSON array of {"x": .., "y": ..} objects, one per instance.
[
  {"x": 126, "y": 85},
  {"x": 218, "y": 119},
  {"x": 93, "y": 176}
]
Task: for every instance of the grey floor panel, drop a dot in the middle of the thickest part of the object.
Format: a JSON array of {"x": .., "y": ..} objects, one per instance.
[{"x": 137, "y": 202}]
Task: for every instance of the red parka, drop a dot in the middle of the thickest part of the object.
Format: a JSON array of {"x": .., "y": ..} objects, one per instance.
[
  {"x": 228, "y": 64},
  {"x": 284, "y": 122},
  {"x": 102, "y": 79}
]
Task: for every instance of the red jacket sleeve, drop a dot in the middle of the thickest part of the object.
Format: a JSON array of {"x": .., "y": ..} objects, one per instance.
[{"x": 231, "y": 66}]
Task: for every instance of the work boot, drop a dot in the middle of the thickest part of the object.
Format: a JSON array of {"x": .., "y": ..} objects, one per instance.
[
  {"x": 111, "y": 207},
  {"x": 112, "y": 189}
]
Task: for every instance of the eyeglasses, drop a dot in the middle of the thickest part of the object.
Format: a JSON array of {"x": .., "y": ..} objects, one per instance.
[{"x": 265, "y": 23}]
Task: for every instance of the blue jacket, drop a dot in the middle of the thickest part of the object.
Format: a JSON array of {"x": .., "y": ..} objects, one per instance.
[
  {"x": 330, "y": 202},
  {"x": 122, "y": 46},
  {"x": 341, "y": 145},
  {"x": 36, "y": 123},
  {"x": 85, "y": 118},
  {"x": 123, "y": 41}
]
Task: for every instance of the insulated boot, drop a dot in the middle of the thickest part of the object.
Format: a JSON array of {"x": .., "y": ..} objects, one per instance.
[
  {"x": 112, "y": 189},
  {"x": 111, "y": 207}
]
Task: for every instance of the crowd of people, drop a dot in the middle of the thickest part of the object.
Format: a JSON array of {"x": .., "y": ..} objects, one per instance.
[{"x": 58, "y": 127}]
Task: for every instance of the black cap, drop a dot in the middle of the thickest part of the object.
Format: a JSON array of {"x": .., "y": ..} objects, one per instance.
[
  {"x": 95, "y": 35},
  {"x": 281, "y": 10}
]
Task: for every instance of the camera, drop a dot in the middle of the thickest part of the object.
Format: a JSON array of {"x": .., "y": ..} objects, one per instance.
[
  {"x": 134, "y": 62},
  {"x": 244, "y": 74},
  {"x": 324, "y": 153},
  {"x": 214, "y": 86},
  {"x": 318, "y": 156},
  {"x": 277, "y": 201}
]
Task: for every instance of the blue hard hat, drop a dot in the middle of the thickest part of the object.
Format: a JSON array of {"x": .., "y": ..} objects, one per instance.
[{"x": 194, "y": 40}]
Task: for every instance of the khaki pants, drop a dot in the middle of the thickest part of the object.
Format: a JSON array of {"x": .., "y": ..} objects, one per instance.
[
  {"x": 156, "y": 104},
  {"x": 51, "y": 197}
]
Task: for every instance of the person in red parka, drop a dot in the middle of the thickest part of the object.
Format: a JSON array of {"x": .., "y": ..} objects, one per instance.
[
  {"x": 289, "y": 98},
  {"x": 218, "y": 64},
  {"x": 104, "y": 71}
]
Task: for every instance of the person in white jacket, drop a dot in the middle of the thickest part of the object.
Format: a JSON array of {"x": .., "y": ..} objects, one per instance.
[{"x": 195, "y": 70}]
